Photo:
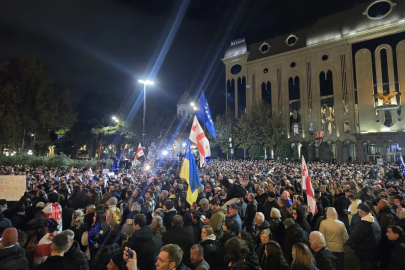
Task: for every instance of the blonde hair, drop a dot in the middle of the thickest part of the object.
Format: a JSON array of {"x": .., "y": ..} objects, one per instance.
[
  {"x": 208, "y": 229},
  {"x": 77, "y": 218},
  {"x": 275, "y": 213},
  {"x": 302, "y": 255}
]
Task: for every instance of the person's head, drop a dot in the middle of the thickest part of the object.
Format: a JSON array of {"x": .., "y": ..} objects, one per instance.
[
  {"x": 9, "y": 237},
  {"x": 139, "y": 221},
  {"x": 295, "y": 213},
  {"x": 288, "y": 222},
  {"x": 394, "y": 232},
  {"x": 275, "y": 213},
  {"x": 196, "y": 215},
  {"x": 382, "y": 204},
  {"x": 214, "y": 204},
  {"x": 115, "y": 262},
  {"x": 157, "y": 222},
  {"x": 363, "y": 209},
  {"x": 53, "y": 197},
  {"x": 265, "y": 236},
  {"x": 237, "y": 249},
  {"x": 206, "y": 231},
  {"x": 281, "y": 202},
  {"x": 383, "y": 193},
  {"x": 251, "y": 197},
  {"x": 51, "y": 225},
  {"x": 168, "y": 205},
  {"x": 259, "y": 218},
  {"x": 274, "y": 254},
  {"x": 59, "y": 244},
  {"x": 112, "y": 201},
  {"x": 204, "y": 204},
  {"x": 398, "y": 200},
  {"x": 317, "y": 241},
  {"x": 169, "y": 257},
  {"x": 70, "y": 236},
  {"x": 230, "y": 225},
  {"x": 302, "y": 255},
  {"x": 233, "y": 209},
  {"x": 300, "y": 199},
  {"x": 148, "y": 195},
  {"x": 272, "y": 196},
  {"x": 196, "y": 253},
  {"x": 177, "y": 220}
]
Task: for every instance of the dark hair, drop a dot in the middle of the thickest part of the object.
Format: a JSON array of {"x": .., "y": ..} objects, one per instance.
[
  {"x": 244, "y": 235},
  {"x": 111, "y": 238},
  {"x": 232, "y": 226},
  {"x": 196, "y": 214},
  {"x": 351, "y": 196},
  {"x": 102, "y": 219},
  {"x": 275, "y": 258},
  {"x": 399, "y": 197},
  {"x": 214, "y": 201},
  {"x": 150, "y": 193},
  {"x": 396, "y": 230},
  {"x": 76, "y": 189},
  {"x": 300, "y": 198},
  {"x": 177, "y": 220},
  {"x": 53, "y": 197},
  {"x": 237, "y": 249},
  {"x": 140, "y": 219},
  {"x": 59, "y": 243}
]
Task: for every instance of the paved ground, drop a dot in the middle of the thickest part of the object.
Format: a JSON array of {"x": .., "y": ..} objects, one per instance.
[{"x": 351, "y": 261}]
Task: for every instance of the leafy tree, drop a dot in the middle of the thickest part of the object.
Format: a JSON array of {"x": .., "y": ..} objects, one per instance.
[
  {"x": 260, "y": 127},
  {"x": 223, "y": 128},
  {"x": 30, "y": 108},
  {"x": 256, "y": 152},
  {"x": 284, "y": 150}
]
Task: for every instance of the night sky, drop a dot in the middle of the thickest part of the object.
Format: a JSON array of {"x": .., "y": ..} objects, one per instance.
[{"x": 107, "y": 45}]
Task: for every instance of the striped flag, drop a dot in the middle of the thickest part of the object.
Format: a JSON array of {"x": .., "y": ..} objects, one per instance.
[
  {"x": 139, "y": 153},
  {"x": 197, "y": 136},
  {"x": 306, "y": 184},
  {"x": 189, "y": 172}
]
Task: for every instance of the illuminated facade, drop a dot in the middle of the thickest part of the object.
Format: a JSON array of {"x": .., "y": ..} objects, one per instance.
[{"x": 342, "y": 76}]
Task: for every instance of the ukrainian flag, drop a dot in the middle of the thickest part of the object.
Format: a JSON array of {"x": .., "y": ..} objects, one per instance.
[{"x": 189, "y": 172}]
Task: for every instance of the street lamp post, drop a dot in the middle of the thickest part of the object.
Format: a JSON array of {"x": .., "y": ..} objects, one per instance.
[{"x": 145, "y": 83}]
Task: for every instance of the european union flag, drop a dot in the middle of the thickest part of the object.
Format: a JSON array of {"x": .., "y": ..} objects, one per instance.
[
  {"x": 114, "y": 168},
  {"x": 189, "y": 172},
  {"x": 203, "y": 113}
]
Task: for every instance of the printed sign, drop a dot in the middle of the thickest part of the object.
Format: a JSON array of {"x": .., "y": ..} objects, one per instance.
[
  {"x": 12, "y": 187},
  {"x": 105, "y": 171}
]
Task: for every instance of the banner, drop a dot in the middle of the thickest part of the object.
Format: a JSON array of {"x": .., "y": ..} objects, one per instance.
[
  {"x": 105, "y": 171},
  {"x": 12, "y": 187}
]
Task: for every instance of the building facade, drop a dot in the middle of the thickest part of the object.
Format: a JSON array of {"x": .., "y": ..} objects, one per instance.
[{"x": 340, "y": 80}]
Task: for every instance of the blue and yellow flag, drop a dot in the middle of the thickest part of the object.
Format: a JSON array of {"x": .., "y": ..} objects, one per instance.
[
  {"x": 203, "y": 113},
  {"x": 189, "y": 172}
]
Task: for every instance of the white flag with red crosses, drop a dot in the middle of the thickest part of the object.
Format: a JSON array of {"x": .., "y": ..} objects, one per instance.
[
  {"x": 307, "y": 185},
  {"x": 318, "y": 138},
  {"x": 197, "y": 136}
]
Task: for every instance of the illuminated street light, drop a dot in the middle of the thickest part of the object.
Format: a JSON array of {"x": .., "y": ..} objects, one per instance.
[
  {"x": 192, "y": 104},
  {"x": 195, "y": 108},
  {"x": 164, "y": 152},
  {"x": 184, "y": 144},
  {"x": 145, "y": 83},
  {"x": 32, "y": 135}
]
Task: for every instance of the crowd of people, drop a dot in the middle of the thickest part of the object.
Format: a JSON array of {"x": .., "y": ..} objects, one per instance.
[{"x": 248, "y": 215}]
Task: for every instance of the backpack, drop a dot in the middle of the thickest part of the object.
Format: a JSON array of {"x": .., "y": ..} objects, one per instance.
[{"x": 54, "y": 213}]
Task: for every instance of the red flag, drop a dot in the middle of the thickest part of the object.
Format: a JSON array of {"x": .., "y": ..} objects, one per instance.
[
  {"x": 197, "y": 136},
  {"x": 139, "y": 153},
  {"x": 306, "y": 184}
]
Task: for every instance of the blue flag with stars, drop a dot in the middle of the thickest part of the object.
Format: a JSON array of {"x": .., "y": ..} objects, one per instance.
[{"x": 203, "y": 113}]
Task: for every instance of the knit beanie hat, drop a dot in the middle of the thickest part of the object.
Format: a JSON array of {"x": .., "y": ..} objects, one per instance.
[
  {"x": 10, "y": 237},
  {"x": 364, "y": 207}
]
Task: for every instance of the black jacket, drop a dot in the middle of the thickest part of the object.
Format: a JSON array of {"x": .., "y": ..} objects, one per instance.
[
  {"x": 325, "y": 260},
  {"x": 302, "y": 221},
  {"x": 251, "y": 210},
  {"x": 77, "y": 257},
  {"x": 180, "y": 236},
  {"x": 55, "y": 262},
  {"x": 293, "y": 235},
  {"x": 13, "y": 258},
  {"x": 209, "y": 251},
  {"x": 366, "y": 238},
  {"x": 199, "y": 226},
  {"x": 146, "y": 245},
  {"x": 267, "y": 206},
  {"x": 277, "y": 230},
  {"x": 397, "y": 255},
  {"x": 168, "y": 218},
  {"x": 260, "y": 201}
]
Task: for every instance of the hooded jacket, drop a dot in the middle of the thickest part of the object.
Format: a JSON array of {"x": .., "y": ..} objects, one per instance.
[
  {"x": 209, "y": 246},
  {"x": 168, "y": 218},
  {"x": 77, "y": 257},
  {"x": 13, "y": 258},
  {"x": 180, "y": 236},
  {"x": 325, "y": 260},
  {"x": 146, "y": 245},
  {"x": 334, "y": 231},
  {"x": 293, "y": 235},
  {"x": 366, "y": 237},
  {"x": 216, "y": 221},
  {"x": 302, "y": 221}
]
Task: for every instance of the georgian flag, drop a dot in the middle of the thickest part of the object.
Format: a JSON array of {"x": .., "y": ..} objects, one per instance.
[
  {"x": 139, "y": 153},
  {"x": 306, "y": 184},
  {"x": 90, "y": 172},
  {"x": 318, "y": 138},
  {"x": 197, "y": 136}
]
